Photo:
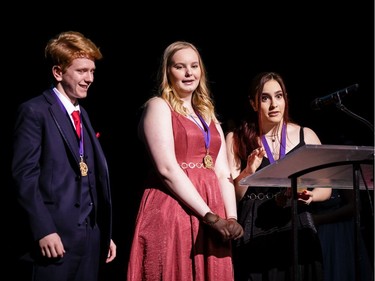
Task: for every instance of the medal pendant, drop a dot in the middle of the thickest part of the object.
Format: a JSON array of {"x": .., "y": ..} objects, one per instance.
[
  {"x": 208, "y": 162},
  {"x": 83, "y": 167}
]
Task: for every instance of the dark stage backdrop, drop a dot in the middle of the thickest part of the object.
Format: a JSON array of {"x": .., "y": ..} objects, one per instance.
[{"x": 318, "y": 50}]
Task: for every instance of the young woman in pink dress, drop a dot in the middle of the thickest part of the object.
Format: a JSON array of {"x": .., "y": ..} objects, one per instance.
[{"x": 187, "y": 216}]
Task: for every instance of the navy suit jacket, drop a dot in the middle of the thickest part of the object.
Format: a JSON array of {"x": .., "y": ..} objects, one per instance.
[{"x": 45, "y": 168}]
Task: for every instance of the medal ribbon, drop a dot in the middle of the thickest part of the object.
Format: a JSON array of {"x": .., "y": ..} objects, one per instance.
[
  {"x": 205, "y": 130},
  {"x": 81, "y": 151},
  {"x": 282, "y": 145},
  {"x": 81, "y": 144},
  {"x": 82, "y": 165}
]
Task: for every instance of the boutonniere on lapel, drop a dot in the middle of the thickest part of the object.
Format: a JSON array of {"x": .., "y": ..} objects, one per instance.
[{"x": 97, "y": 135}]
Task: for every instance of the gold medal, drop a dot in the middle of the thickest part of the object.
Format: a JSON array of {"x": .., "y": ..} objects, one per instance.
[
  {"x": 207, "y": 159},
  {"x": 208, "y": 162},
  {"x": 83, "y": 167}
]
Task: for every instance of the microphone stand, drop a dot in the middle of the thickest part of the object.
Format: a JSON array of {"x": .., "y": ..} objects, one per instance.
[
  {"x": 342, "y": 107},
  {"x": 356, "y": 175}
]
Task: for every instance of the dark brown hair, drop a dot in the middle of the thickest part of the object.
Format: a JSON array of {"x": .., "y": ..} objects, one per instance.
[{"x": 247, "y": 135}]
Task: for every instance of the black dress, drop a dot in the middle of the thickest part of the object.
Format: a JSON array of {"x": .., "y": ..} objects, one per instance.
[
  {"x": 339, "y": 242},
  {"x": 265, "y": 252}
]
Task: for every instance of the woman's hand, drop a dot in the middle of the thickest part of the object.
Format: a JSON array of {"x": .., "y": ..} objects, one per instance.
[
  {"x": 235, "y": 229},
  {"x": 228, "y": 228},
  {"x": 304, "y": 196},
  {"x": 255, "y": 159}
]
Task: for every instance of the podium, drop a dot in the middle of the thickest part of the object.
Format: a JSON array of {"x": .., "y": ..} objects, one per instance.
[{"x": 335, "y": 166}]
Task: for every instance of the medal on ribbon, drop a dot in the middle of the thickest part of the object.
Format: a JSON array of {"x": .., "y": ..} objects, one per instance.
[
  {"x": 207, "y": 161},
  {"x": 83, "y": 167}
]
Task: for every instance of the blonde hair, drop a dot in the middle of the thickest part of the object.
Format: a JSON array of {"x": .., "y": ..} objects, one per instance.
[{"x": 201, "y": 99}]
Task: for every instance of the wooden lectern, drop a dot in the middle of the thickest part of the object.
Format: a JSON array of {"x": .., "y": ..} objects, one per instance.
[{"x": 336, "y": 166}]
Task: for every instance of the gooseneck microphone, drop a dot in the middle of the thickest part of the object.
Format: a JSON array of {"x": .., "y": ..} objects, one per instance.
[{"x": 335, "y": 97}]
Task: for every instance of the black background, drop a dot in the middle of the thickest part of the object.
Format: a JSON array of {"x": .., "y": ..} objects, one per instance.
[{"x": 318, "y": 49}]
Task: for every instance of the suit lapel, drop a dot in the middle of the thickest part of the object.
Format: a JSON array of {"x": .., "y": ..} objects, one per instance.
[{"x": 63, "y": 123}]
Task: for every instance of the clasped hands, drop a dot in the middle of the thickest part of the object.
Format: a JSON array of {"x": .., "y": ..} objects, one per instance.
[{"x": 228, "y": 228}]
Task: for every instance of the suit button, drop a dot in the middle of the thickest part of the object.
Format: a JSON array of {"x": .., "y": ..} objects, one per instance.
[{"x": 77, "y": 205}]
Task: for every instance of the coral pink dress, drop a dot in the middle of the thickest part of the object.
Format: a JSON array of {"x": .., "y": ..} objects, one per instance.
[{"x": 170, "y": 242}]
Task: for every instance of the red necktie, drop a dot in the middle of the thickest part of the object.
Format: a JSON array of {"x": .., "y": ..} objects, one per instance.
[{"x": 77, "y": 122}]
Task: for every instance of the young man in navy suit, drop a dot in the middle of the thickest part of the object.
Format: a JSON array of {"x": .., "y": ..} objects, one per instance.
[{"x": 61, "y": 175}]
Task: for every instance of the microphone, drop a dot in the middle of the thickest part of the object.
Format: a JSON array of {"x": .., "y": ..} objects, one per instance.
[{"x": 335, "y": 97}]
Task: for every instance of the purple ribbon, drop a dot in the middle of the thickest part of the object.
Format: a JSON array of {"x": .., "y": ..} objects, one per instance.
[
  {"x": 282, "y": 145},
  {"x": 205, "y": 130}
]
